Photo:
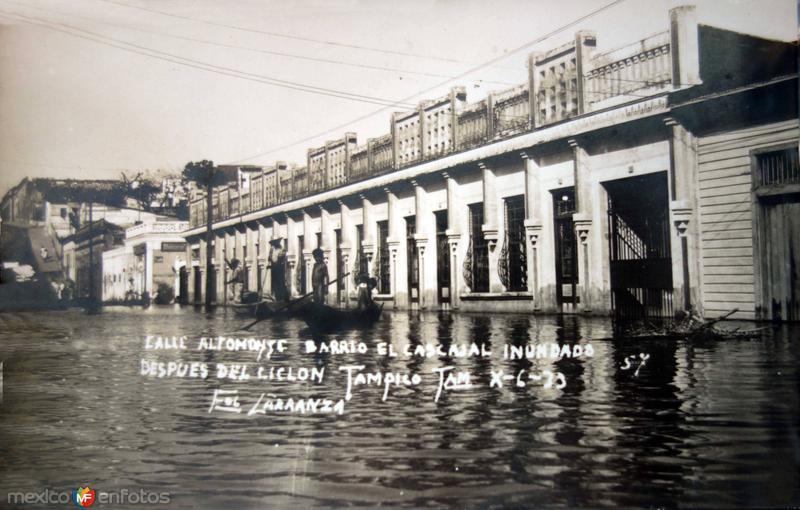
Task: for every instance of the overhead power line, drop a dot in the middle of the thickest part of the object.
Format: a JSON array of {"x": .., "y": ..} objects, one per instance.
[
  {"x": 188, "y": 62},
  {"x": 285, "y": 36},
  {"x": 434, "y": 87},
  {"x": 256, "y": 50},
  {"x": 300, "y": 57}
]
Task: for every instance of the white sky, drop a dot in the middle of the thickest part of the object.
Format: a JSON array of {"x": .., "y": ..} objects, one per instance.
[{"x": 73, "y": 107}]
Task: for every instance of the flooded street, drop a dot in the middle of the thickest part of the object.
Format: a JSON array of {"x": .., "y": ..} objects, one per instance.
[{"x": 712, "y": 425}]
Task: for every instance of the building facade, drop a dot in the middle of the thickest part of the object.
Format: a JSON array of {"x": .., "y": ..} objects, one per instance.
[
  {"x": 640, "y": 181},
  {"x": 152, "y": 254}
]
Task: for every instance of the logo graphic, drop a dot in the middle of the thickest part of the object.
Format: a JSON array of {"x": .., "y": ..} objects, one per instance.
[{"x": 84, "y": 496}]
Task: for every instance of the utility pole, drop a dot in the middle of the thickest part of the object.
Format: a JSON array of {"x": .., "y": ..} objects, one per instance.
[
  {"x": 91, "y": 256},
  {"x": 210, "y": 175}
]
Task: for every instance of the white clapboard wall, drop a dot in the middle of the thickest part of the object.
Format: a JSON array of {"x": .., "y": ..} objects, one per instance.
[{"x": 726, "y": 215}]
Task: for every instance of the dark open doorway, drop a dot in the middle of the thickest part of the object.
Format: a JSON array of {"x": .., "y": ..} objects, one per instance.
[
  {"x": 412, "y": 264},
  {"x": 566, "y": 249},
  {"x": 639, "y": 247}
]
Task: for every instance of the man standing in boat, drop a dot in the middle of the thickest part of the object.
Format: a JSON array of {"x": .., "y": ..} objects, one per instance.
[
  {"x": 319, "y": 277},
  {"x": 237, "y": 280},
  {"x": 278, "y": 271}
]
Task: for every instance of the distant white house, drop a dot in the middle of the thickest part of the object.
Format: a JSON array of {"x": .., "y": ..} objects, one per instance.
[{"x": 152, "y": 253}]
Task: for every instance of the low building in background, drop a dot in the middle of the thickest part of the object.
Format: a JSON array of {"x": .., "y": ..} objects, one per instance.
[
  {"x": 83, "y": 256},
  {"x": 42, "y": 215},
  {"x": 151, "y": 257}
]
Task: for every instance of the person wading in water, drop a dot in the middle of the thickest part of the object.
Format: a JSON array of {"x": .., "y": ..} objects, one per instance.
[{"x": 365, "y": 286}]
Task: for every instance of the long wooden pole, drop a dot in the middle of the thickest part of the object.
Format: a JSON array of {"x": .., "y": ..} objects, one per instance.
[
  {"x": 91, "y": 255},
  {"x": 293, "y": 301},
  {"x": 209, "y": 238}
]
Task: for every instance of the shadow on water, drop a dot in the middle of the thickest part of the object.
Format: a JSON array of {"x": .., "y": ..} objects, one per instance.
[{"x": 711, "y": 424}]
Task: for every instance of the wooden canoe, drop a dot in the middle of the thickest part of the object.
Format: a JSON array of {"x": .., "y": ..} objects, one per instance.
[
  {"x": 270, "y": 309},
  {"x": 325, "y": 319}
]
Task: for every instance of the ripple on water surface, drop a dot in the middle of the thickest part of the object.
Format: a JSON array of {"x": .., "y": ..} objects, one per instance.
[{"x": 705, "y": 425}]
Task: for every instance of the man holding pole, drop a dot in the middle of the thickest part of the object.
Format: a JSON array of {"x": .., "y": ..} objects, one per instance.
[{"x": 319, "y": 277}]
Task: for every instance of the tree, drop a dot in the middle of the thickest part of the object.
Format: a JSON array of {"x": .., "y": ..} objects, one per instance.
[
  {"x": 206, "y": 175},
  {"x": 141, "y": 189}
]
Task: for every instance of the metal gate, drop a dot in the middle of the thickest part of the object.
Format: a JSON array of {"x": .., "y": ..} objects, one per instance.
[
  {"x": 476, "y": 263},
  {"x": 639, "y": 247}
]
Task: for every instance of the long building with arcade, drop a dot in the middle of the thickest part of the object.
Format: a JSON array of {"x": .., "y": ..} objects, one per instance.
[{"x": 638, "y": 181}]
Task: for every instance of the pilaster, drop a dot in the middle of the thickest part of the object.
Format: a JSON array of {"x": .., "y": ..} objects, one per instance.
[
  {"x": 533, "y": 226},
  {"x": 328, "y": 240},
  {"x": 684, "y": 236},
  {"x": 489, "y": 228},
  {"x": 533, "y": 233},
  {"x": 368, "y": 242},
  {"x": 394, "y": 238},
  {"x": 456, "y": 283},
  {"x": 582, "y": 220},
  {"x": 453, "y": 237},
  {"x": 422, "y": 218},
  {"x": 421, "y": 242},
  {"x": 346, "y": 245}
]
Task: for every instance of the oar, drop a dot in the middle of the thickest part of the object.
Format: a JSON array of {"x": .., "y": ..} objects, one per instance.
[{"x": 292, "y": 302}]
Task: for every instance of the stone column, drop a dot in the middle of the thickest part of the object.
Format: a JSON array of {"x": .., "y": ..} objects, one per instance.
[
  {"x": 368, "y": 242},
  {"x": 420, "y": 238},
  {"x": 490, "y": 229},
  {"x": 148, "y": 270},
  {"x": 309, "y": 241},
  {"x": 684, "y": 238},
  {"x": 292, "y": 255},
  {"x": 533, "y": 226},
  {"x": 453, "y": 238},
  {"x": 219, "y": 266},
  {"x": 346, "y": 245},
  {"x": 263, "y": 258},
  {"x": 233, "y": 250},
  {"x": 238, "y": 246},
  {"x": 252, "y": 237},
  {"x": 328, "y": 240},
  {"x": 199, "y": 294},
  {"x": 582, "y": 220},
  {"x": 189, "y": 276},
  {"x": 394, "y": 239}
]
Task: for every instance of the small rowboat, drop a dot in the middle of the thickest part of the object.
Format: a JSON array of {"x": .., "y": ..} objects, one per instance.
[
  {"x": 325, "y": 319},
  {"x": 245, "y": 308},
  {"x": 269, "y": 309}
]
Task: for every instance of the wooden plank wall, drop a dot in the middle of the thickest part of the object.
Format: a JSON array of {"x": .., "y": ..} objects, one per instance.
[{"x": 726, "y": 215}]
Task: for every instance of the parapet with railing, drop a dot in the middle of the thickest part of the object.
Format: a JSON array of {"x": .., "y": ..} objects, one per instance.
[
  {"x": 157, "y": 227},
  {"x": 565, "y": 82}
]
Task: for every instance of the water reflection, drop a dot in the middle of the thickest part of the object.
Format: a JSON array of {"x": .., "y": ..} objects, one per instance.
[{"x": 703, "y": 425}]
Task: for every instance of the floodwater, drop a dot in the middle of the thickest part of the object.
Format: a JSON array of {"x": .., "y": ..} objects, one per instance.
[{"x": 711, "y": 425}]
